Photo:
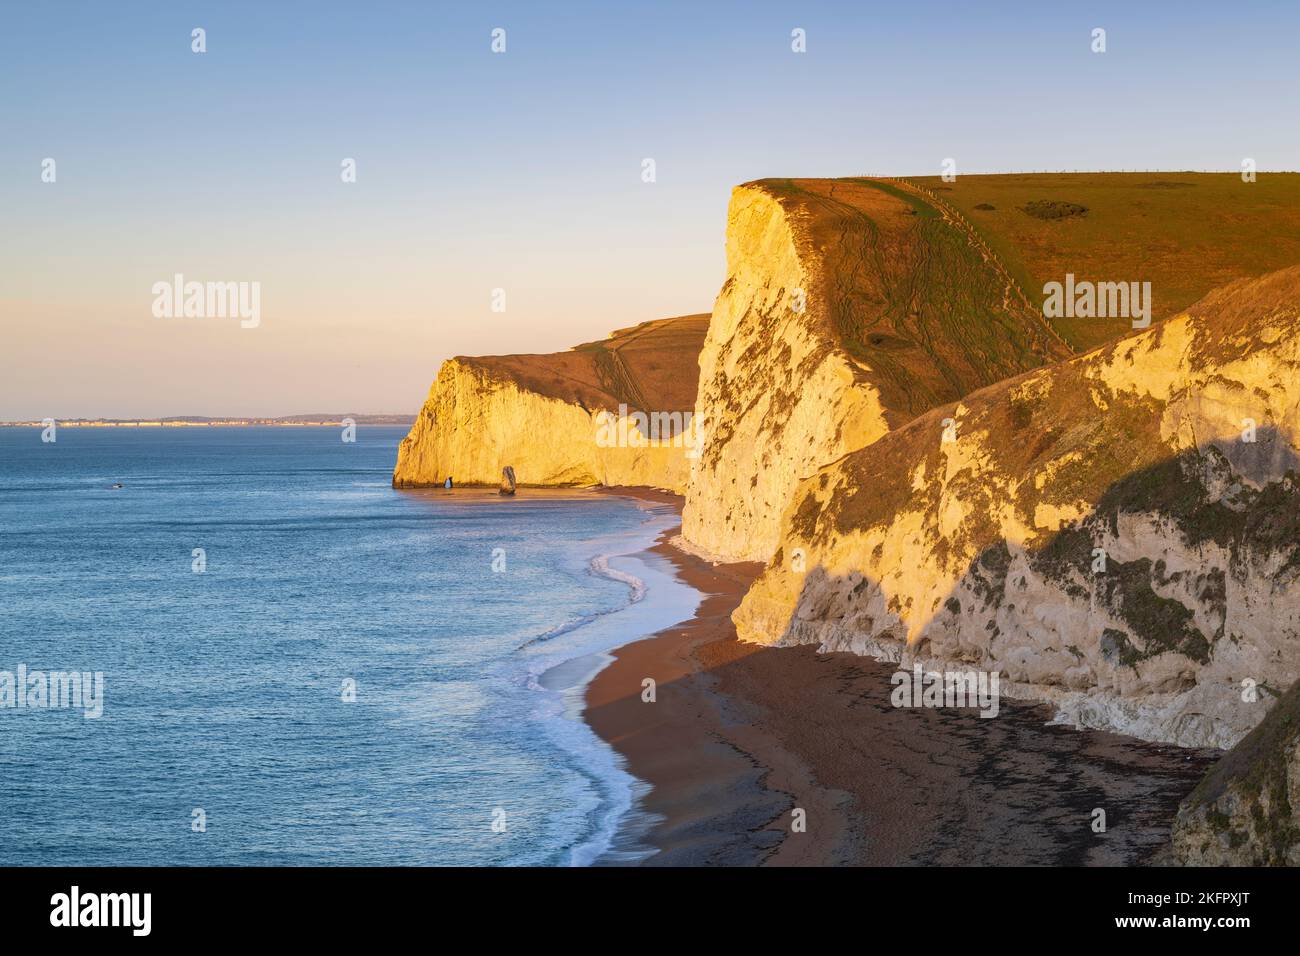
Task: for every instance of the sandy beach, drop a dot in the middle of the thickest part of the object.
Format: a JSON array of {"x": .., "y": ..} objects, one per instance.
[{"x": 740, "y": 737}]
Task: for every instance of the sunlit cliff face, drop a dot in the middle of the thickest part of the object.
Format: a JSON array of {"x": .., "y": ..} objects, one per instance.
[
  {"x": 615, "y": 412},
  {"x": 1116, "y": 534},
  {"x": 849, "y": 307}
]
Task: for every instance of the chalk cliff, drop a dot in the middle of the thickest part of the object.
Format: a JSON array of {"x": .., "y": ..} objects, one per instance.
[
  {"x": 849, "y": 307},
  {"x": 1117, "y": 534},
  {"x": 555, "y": 418},
  {"x": 1243, "y": 812},
  {"x": 882, "y": 414}
]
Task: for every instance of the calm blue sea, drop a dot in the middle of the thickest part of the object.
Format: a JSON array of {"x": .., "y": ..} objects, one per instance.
[{"x": 224, "y": 690}]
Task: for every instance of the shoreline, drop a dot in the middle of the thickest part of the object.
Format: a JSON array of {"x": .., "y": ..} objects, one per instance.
[
  {"x": 561, "y": 662},
  {"x": 740, "y": 736}
]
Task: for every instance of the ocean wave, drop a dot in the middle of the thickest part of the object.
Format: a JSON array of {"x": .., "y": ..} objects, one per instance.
[
  {"x": 558, "y": 672},
  {"x": 598, "y": 567}
]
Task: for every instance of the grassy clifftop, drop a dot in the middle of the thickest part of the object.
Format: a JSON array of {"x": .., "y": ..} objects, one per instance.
[
  {"x": 650, "y": 367},
  {"x": 849, "y": 308},
  {"x": 1185, "y": 233},
  {"x": 541, "y": 414},
  {"x": 909, "y": 294},
  {"x": 937, "y": 288}
]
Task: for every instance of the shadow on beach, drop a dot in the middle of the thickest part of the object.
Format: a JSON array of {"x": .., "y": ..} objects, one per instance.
[{"x": 741, "y": 735}]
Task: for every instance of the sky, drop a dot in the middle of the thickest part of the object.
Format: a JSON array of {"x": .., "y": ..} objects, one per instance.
[{"x": 519, "y": 170}]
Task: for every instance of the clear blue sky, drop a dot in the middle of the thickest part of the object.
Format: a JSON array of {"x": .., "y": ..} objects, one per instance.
[{"x": 519, "y": 170}]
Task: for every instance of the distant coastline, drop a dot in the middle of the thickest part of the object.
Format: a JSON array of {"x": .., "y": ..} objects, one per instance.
[{"x": 198, "y": 421}]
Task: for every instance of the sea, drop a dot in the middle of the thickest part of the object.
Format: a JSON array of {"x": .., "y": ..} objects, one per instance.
[{"x": 283, "y": 660}]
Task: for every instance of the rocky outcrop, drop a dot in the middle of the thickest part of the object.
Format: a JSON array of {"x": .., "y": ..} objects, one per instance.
[
  {"x": 1117, "y": 534},
  {"x": 1243, "y": 812},
  {"x": 614, "y": 412},
  {"x": 849, "y": 307}
]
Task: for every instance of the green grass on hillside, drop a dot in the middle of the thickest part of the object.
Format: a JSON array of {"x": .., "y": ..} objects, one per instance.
[
  {"x": 907, "y": 295},
  {"x": 649, "y": 367},
  {"x": 1185, "y": 233}
]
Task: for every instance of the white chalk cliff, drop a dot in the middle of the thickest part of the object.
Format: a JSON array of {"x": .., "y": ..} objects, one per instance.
[
  {"x": 849, "y": 307},
  {"x": 1117, "y": 534},
  {"x": 931, "y": 475},
  {"x": 612, "y": 412}
]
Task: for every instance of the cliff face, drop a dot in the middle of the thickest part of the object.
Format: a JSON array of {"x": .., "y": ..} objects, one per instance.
[
  {"x": 1243, "y": 812},
  {"x": 615, "y": 412},
  {"x": 1118, "y": 534},
  {"x": 849, "y": 307}
]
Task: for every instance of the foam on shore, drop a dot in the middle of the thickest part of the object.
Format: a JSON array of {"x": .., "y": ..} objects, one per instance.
[{"x": 559, "y": 665}]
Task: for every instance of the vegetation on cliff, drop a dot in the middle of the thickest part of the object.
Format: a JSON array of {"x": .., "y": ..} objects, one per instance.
[
  {"x": 1185, "y": 233},
  {"x": 850, "y": 306},
  {"x": 542, "y": 415},
  {"x": 1244, "y": 812},
  {"x": 1119, "y": 527}
]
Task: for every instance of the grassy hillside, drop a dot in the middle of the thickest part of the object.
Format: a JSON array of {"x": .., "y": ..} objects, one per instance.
[
  {"x": 1185, "y": 233},
  {"x": 652, "y": 367},
  {"x": 908, "y": 293},
  {"x": 1048, "y": 421}
]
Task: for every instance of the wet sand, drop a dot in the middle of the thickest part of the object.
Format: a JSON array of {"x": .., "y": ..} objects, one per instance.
[{"x": 740, "y": 737}]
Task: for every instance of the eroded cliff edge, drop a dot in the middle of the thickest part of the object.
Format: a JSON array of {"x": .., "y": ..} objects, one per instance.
[
  {"x": 850, "y": 306},
  {"x": 555, "y": 418},
  {"x": 1243, "y": 813},
  {"x": 1117, "y": 534}
]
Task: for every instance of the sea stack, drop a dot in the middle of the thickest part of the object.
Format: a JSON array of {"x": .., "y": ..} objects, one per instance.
[{"x": 507, "y": 481}]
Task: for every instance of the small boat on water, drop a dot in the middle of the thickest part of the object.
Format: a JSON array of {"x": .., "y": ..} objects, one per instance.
[{"x": 115, "y": 486}]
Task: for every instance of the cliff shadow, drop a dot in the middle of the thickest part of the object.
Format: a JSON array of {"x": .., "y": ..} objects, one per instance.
[{"x": 740, "y": 736}]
